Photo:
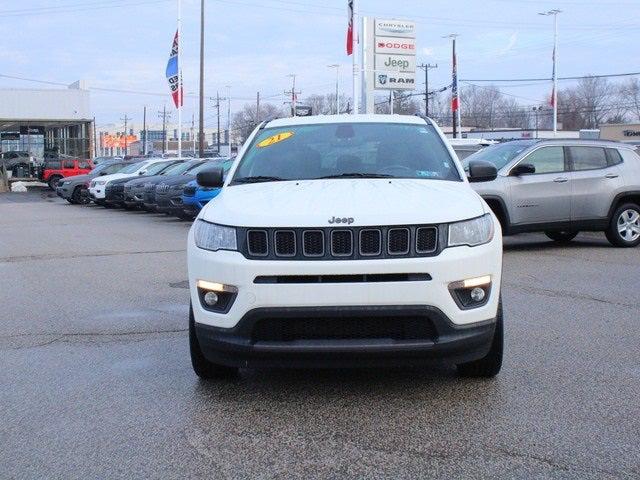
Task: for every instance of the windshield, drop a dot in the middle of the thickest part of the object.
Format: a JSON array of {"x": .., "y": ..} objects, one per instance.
[
  {"x": 156, "y": 168},
  {"x": 133, "y": 167},
  {"x": 500, "y": 154},
  {"x": 209, "y": 164},
  {"x": 178, "y": 168},
  {"x": 347, "y": 150}
]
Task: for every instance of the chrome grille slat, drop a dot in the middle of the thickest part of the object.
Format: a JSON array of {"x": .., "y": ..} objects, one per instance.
[
  {"x": 341, "y": 243},
  {"x": 258, "y": 243},
  {"x": 426, "y": 239},
  {"x": 313, "y": 243},
  {"x": 398, "y": 241},
  {"x": 285, "y": 243},
  {"x": 370, "y": 242}
]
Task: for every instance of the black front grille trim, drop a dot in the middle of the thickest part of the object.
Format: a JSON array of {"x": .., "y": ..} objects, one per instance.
[
  {"x": 318, "y": 237},
  {"x": 361, "y": 241},
  {"x": 432, "y": 230},
  {"x": 354, "y": 278}
]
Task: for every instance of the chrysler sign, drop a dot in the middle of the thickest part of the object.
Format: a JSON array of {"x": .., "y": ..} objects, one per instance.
[{"x": 395, "y": 28}]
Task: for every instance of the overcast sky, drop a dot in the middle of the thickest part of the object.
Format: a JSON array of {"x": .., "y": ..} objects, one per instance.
[{"x": 253, "y": 45}]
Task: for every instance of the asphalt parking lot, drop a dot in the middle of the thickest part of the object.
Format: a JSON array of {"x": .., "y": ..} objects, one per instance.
[{"x": 96, "y": 382}]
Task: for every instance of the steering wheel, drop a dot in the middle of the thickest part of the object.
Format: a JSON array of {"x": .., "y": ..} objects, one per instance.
[{"x": 390, "y": 169}]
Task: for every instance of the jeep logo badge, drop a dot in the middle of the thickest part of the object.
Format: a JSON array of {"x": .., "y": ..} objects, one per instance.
[{"x": 347, "y": 220}]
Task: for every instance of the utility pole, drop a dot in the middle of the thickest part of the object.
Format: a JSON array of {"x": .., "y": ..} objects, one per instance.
[
  {"x": 257, "y": 108},
  {"x": 191, "y": 137},
  {"x": 217, "y": 107},
  {"x": 554, "y": 94},
  {"x": 125, "y": 120},
  {"x": 144, "y": 131},
  {"x": 164, "y": 114},
  {"x": 426, "y": 67},
  {"x": 95, "y": 143},
  {"x": 201, "y": 112},
  {"x": 294, "y": 94}
]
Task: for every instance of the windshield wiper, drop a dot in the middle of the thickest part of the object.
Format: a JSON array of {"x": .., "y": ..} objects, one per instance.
[
  {"x": 257, "y": 179},
  {"x": 359, "y": 175}
]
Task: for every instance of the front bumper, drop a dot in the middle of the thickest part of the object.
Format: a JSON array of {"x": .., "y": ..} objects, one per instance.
[
  {"x": 451, "y": 265},
  {"x": 242, "y": 346}
]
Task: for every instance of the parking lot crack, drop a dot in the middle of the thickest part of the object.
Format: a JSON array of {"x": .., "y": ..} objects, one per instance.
[
  {"x": 26, "y": 340},
  {"x": 67, "y": 256},
  {"x": 568, "y": 294}
]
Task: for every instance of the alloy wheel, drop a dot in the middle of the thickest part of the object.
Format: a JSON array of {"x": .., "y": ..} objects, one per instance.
[{"x": 629, "y": 225}]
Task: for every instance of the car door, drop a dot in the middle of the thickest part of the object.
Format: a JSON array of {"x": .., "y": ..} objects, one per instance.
[
  {"x": 543, "y": 196},
  {"x": 595, "y": 180}
]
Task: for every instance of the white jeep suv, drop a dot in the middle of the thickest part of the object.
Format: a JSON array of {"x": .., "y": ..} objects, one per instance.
[{"x": 345, "y": 241}]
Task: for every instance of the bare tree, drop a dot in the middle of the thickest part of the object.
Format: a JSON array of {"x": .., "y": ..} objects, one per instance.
[
  {"x": 245, "y": 120},
  {"x": 481, "y": 106},
  {"x": 629, "y": 96}
]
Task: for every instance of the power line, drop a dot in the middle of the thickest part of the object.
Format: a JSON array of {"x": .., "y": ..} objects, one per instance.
[{"x": 580, "y": 77}]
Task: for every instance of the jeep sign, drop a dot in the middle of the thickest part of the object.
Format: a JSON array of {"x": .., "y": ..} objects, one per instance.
[{"x": 395, "y": 63}]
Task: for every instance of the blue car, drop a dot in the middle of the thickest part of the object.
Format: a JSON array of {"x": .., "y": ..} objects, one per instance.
[{"x": 194, "y": 197}]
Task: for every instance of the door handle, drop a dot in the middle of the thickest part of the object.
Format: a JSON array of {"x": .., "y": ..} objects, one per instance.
[
  {"x": 560, "y": 180},
  {"x": 611, "y": 175}
]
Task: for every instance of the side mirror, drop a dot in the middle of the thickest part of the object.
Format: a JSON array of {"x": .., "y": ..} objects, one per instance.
[
  {"x": 523, "y": 169},
  {"x": 482, "y": 171},
  {"x": 100, "y": 174},
  {"x": 212, "y": 178},
  {"x": 142, "y": 172}
]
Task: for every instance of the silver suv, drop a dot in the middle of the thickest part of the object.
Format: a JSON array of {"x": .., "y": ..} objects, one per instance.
[{"x": 562, "y": 187}]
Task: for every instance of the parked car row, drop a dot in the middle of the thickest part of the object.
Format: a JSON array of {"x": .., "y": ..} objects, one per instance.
[{"x": 164, "y": 185}]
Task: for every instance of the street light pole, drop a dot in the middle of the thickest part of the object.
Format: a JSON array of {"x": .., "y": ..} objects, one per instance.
[
  {"x": 554, "y": 94},
  {"x": 337, "y": 67}
]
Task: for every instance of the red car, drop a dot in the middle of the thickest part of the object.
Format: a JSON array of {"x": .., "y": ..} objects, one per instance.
[{"x": 54, "y": 170}]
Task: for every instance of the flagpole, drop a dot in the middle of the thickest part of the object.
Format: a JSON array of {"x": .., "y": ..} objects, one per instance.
[
  {"x": 458, "y": 112},
  {"x": 179, "y": 80},
  {"x": 555, "y": 74},
  {"x": 356, "y": 90}
]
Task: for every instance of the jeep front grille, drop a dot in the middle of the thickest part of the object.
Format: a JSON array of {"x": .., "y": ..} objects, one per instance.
[{"x": 355, "y": 243}]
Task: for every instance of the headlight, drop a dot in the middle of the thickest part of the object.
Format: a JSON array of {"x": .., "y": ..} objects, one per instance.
[
  {"x": 100, "y": 182},
  {"x": 471, "y": 232},
  {"x": 210, "y": 236}
]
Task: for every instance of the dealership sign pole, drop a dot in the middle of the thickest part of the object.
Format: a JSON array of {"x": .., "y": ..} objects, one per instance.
[{"x": 389, "y": 57}]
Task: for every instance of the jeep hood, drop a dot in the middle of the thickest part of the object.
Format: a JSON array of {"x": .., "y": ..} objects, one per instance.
[{"x": 312, "y": 203}]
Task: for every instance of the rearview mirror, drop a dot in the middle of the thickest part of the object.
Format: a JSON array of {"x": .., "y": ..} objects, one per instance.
[
  {"x": 482, "y": 171},
  {"x": 523, "y": 169},
  {"x": 212, "y": 178}
]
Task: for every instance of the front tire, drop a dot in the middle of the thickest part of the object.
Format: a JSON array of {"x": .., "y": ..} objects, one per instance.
[
  {"x": 489, "y": 365},
  {"x": 562, "y": 236},
  {"x": 204, "y": 368},
  {"x": 53, "y": 182},
  {"x": 624, "y": 229}
]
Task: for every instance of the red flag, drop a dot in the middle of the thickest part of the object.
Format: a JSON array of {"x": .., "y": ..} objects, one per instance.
[
  {"x": 350, "y": 28},
  {"x": 455, "y": 102}
]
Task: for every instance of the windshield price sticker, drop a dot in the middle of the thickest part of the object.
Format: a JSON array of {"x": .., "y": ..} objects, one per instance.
[{"x": 273, "y": 139}]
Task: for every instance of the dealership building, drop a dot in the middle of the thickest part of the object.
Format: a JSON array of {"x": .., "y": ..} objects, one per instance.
[{"x": 47, "y": 122}]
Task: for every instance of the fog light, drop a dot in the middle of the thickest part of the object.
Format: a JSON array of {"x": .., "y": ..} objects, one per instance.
[
  {"x": 477, "y": 294},
  {"x": 211, "y": 298}
]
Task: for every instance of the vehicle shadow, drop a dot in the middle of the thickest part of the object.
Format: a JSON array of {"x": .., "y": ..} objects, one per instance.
[{"x": 539, "y": 243}]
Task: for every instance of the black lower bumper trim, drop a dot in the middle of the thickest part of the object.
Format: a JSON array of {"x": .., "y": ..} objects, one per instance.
[{"x": 238, "y": 346}]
